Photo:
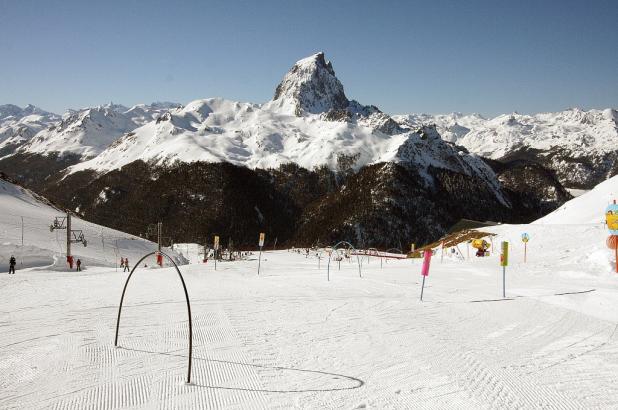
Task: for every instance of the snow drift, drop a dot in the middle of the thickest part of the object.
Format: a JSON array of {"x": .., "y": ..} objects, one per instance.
[{"x": 588, "y": 208}]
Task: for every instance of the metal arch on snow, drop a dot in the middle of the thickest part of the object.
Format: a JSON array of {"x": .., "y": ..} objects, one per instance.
[
  {"x": 186, "y": 296},
  {"x": 335, "y": 250}
]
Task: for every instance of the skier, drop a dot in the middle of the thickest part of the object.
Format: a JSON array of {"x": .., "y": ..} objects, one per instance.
[
  {"x": 121, "y": 262},
  {"x": 126, "y": 265},
  {"x": 79, "y": 265},
  {"x": 12, "y": 263}
]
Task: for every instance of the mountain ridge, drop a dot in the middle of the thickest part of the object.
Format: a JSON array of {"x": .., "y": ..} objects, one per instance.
[{"x": 578, "y": 145}]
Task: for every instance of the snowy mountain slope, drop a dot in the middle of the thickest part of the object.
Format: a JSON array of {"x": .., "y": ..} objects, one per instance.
[
  {"x": 85, "y": 133},
  {"x": 13, "y": 112},
  {"x": 588, "y": 208},
  {"x": 18, "y": 125},
  {"x": 89, "y": 131},
  {"x": 142, "y": 114},
  {"x": 451, "y": 127},
  {"x": 240, "y": 133},
  {"x": 21, "y": 209},
  {"x": 580, "y": 146},
  {"x": 581, "y": 132}
]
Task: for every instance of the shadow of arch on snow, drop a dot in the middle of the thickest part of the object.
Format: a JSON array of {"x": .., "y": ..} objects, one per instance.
[{"x": 357, "y": 383}]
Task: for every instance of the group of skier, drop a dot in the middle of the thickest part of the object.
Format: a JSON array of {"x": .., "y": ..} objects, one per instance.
[
  {"x": 124, "y": 263},
  {"x": 13, "y": 262}
]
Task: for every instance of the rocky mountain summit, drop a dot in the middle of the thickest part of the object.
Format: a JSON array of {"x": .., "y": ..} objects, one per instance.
[{"x": 311, "y": 87}]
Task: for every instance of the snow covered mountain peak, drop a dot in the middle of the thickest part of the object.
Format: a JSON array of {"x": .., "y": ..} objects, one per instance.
[
  {"x": 87, "y": 132},
  {"x": 311, "y": 87},
  {"x": 578, "y": 145},
  {"x": 18, "y": 125},
  {"x": 574, "y": 129},
  {"x": 14, "y": 112},
  {"x": 114, "y": 107}
]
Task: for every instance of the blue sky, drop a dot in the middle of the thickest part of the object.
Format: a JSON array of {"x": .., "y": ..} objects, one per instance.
[{"x": 434, "y": 56}]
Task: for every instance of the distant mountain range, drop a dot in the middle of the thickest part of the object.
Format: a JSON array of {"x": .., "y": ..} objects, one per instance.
[
  {"x": 579, "y": 146},
  {"x": 364, "y": 173},
  {"x": 84, "y": 132},
  {"x": 20, "y": 125}
]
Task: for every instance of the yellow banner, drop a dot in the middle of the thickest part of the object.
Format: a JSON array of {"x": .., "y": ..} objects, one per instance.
[
  {"x": 612, "y": 221},
  {"x": 504, "y": 257}
]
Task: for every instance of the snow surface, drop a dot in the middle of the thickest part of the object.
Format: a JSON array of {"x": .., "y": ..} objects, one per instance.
[
  {"x": 89, "y": 131},
  {"x": 580, "y": 132},
  {"x": 46, "y": 250},
  {"x": 587, "y": 208},
  {"x": 218, "y": 130},
  {"x": 192, "y": 252},
  {"x": 291, "y": 339},
  {"x": 18, "y": 125}
]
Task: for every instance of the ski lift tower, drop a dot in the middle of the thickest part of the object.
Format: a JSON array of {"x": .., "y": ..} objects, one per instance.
[{"x": 73, "y": 236}]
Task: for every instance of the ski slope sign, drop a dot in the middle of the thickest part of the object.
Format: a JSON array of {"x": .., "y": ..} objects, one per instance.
[
  {"x": 504, "y": 256},
  {"x": 611, "y": 218}
]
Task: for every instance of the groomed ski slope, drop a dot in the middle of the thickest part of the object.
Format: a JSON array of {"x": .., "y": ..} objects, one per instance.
[{"x": 291, "y": 339}]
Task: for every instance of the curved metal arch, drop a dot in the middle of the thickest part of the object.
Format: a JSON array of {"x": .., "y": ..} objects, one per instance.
[
  {"x": 335, "y": 250},
  {"x": 184, "y": 287}
]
